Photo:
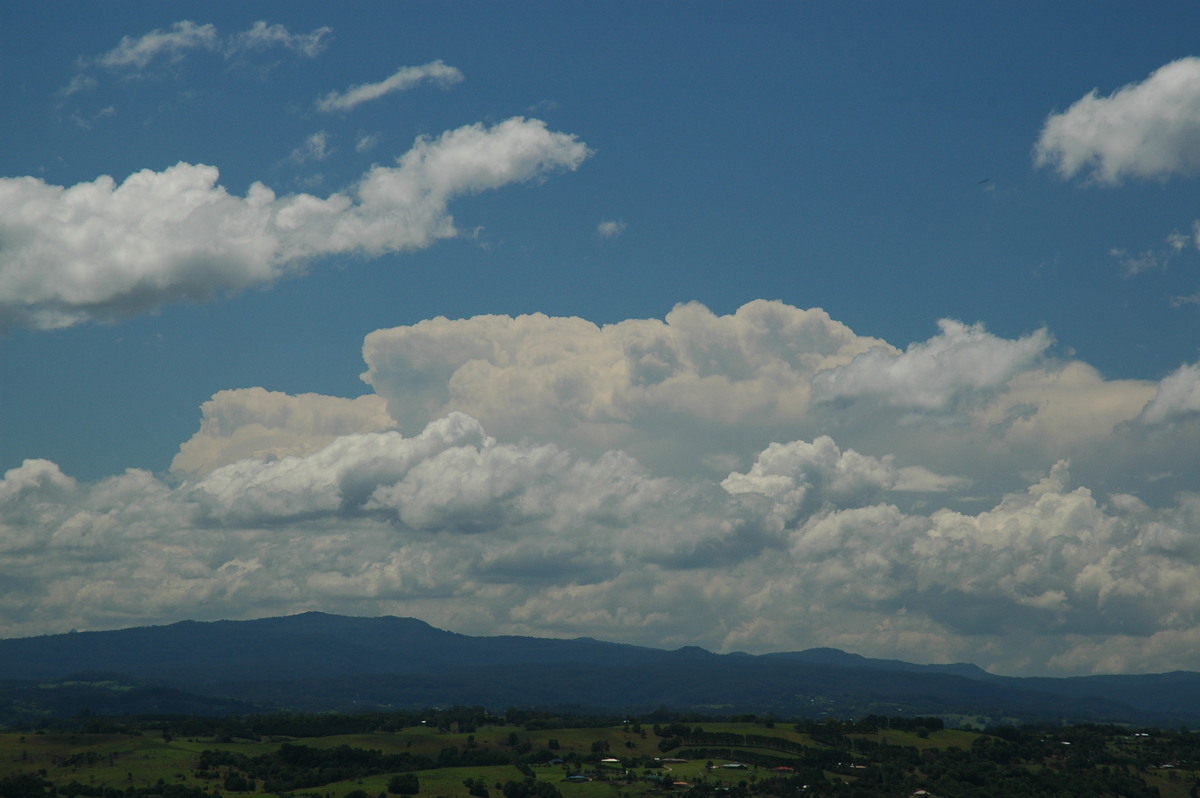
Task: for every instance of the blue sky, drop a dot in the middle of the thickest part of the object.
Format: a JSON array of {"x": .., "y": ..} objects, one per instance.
[{"x": 877, "y": 321}]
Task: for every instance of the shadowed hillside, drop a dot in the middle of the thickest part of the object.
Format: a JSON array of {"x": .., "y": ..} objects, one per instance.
[{"x": 319, "y": 662}]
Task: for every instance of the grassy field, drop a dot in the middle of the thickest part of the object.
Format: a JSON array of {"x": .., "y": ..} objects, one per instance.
[
  {"x": 129, "y": 760},
  {"x": 143, "y": 760}
]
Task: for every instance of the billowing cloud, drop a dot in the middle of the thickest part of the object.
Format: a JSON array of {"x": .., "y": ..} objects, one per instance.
[
  {"x": 802, "y": 476},
  {"x": 933, "y": 374},
  {"x": 1147, "y": 130},
  {"x": 698, "y": 393},
  {"x": 803, "y": 548},
  {"x": 402, "y": 79},
  {"x": 103, "y": 250},
  {"x": 267, "y": 425},
  {"x": 667, "y": 391},
  {"x": 495, "y": 484},
  {"x": 1178, "y": 397}
]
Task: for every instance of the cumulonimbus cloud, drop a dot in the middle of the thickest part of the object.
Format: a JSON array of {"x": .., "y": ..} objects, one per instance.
[
  {"x": 103, "y": 250},
  {"x": 1147, "y": 130},
  {"x": 514, "y": 370},
  {"x": 403, "y": 503},
  {"x": 402, "y": 79},
  {"x": 698, "y": 393}
]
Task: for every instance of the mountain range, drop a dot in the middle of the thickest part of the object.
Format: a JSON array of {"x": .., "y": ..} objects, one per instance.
[{"x": 315, "y": 662}]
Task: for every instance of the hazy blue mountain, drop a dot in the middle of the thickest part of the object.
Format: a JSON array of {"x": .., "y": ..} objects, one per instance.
[
  {"x": 319, "y": 662},
  {"x": 310, "y": 645},
  {"x": 834, "y": 656}
]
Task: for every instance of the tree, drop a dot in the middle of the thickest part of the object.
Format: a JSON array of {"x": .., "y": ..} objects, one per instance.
[
  {"x": 404, "y": 784},
  {"x": 235, "y": 782}
]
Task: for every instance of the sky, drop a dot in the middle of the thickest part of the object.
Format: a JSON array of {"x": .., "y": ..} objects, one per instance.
[{"x": 754, "y": 326}]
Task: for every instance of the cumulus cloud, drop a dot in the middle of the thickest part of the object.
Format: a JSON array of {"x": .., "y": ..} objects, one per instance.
[
  {"x": 1177, "y": 397},
  {"x": 402, "y": 79},
  {"x": 933, "y": 374},
  {"x": 254, "y": 423},
  {"x": 535, "y": 513},
  {"x": 103, "y": 250},
  {"x": 698, "y": 394},
  {"x": 1148, "y": 130},
  {"x": 648, "y": 386},
  {"x": 819, "y": 474},
  {"x": 803, "y": 548}
]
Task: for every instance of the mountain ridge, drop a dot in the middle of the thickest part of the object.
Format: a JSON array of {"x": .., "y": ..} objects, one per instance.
[{"x": 322, "y": 662}]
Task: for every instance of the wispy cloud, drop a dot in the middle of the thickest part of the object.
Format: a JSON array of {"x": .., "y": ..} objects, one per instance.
[
  {"x": 315, "y": 148},
  {"x": 85, "y": 122},
  {"x": 261, "y": 36},
  {"x": 402, "y": 79},
  {"x": 133, "y": 55},
  {"x": 1149, "y": 259},
  {"x": 171, "y": 44},
  {"x": 366, "y": 142}
]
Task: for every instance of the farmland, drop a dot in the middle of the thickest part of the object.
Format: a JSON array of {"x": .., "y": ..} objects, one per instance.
[{"x": 470, "y": 753}]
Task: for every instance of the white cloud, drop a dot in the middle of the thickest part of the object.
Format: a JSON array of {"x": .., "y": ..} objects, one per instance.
[
  {"x": 529, "y": 519},
  {"x": 1148, "y": 130},
  {"x": 342, "y": 476},
  {"x": 260, "y": 35},
  {"x": 80, "y": 82},
  {"x": 402, "y": 79},
  {"x": 253, "y": 423},
  {"x": 1151, "y": 258},
  {"x": 931, "y": 375},
  {"x": 610, "y": 229},
  {"x": 671, "y": 392},
  {"x": 171, "y": 44},
  {"x": 366, "y": 142},
  {"x": 103, "y": 250},
  {"x": 1177, "y": 398},
  {"x": 135, "y": 54},
  {"x": 805, "y": 478},
  {"x": 482, "y": 536},
  {"x": 700, "y": 394}
]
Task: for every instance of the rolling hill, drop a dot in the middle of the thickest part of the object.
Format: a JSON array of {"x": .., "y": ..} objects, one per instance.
[{"x": 319, "y": 662}]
